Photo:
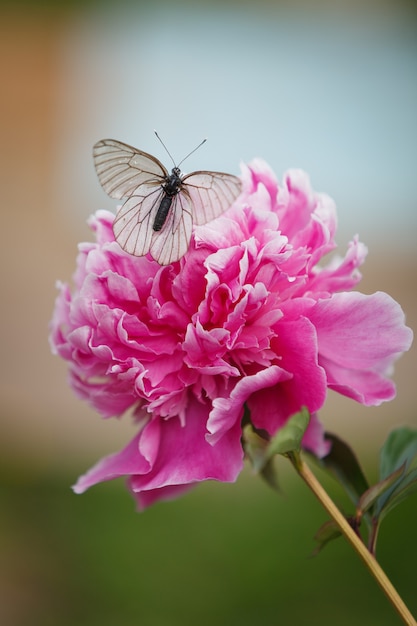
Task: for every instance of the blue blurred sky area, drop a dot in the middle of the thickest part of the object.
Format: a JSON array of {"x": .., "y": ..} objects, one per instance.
[{"x": 329, "y": 90}]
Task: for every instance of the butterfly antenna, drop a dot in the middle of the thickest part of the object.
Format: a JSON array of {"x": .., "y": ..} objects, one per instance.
[
  {"x": 166, "y": 149},
  {"x": 186, "y": 157},
  {"x": 192, "y": 151}
]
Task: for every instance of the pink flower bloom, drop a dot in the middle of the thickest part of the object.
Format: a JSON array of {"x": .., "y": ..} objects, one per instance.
[{"x": 246, "y": 317}]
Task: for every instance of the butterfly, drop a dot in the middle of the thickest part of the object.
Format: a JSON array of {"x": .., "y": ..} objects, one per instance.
[{"x": 159, "y": 207}]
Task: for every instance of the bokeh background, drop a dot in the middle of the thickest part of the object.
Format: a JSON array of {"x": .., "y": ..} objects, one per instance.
[{"x": 330, "y": 87}]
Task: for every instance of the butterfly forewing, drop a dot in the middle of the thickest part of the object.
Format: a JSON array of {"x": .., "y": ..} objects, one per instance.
[
  {"x": 121, "y": 169},
  {"x": 211, "y": 194}
]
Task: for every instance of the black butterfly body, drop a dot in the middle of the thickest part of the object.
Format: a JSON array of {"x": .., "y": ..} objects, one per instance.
[
  {"x": 171, "y": 188},
  {"x": 159, "y": 208}
]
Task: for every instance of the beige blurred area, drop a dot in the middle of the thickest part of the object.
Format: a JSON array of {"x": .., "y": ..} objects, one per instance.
[{"x": 42, "y": 421}]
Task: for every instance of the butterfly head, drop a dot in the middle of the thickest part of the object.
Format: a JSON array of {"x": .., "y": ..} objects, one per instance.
[{"x": 173, "y": 182}]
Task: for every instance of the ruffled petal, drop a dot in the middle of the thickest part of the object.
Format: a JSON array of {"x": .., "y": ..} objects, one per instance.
[{"x": 361, "y": 331}]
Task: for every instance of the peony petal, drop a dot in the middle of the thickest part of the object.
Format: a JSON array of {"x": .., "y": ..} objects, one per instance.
[
  {"x": 185, "y": 456},
  {"x": 359, "y": 338},
  {"x": 166, "y": 457},
  {"x": 227, "y": 412},
  {"x": 271, "y": 407},
  {"x": 145, "y": 499},
  {"x": 124, "y": 463},
  {"x": 314, "y": 437},
  {"x": 366, "y": 387},
  {"x": 361, "y": 332}
]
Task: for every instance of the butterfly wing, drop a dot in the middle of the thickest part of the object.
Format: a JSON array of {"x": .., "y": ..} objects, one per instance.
[
  {"x": 122, "y": 169},
  {"x": 133, "y": 224},
  {"x": 127, "y": 173},
  {"x": 211, "y": 194}
]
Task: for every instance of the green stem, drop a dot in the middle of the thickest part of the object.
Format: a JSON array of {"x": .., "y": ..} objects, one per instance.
[
  {"x": 373, "y": 534},
  {"x": 369, "y": 560}
]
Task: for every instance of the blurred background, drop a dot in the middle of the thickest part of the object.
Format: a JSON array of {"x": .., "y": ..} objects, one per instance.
[{"x": 326, "y": 86}]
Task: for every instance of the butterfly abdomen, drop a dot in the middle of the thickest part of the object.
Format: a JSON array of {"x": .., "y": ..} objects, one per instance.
[{"x": 162, "y": 212}]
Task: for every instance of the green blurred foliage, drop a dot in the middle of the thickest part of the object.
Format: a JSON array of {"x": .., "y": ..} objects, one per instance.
[{"x": 223, "y": 554}]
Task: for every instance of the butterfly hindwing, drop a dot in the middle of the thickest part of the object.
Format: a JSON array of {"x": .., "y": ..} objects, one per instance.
[
  {"x": 172, "y": 241},
  {"x": 133, "y": 224},
  {"x": 133, "y": 227}
]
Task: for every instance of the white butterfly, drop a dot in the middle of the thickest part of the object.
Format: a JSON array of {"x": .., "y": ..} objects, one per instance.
[{"x": 159, "y": 208}]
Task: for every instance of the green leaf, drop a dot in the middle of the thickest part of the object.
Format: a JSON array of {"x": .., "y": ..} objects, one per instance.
[
  {"x": 399, "y": 449},
  {"x": 270, "y": 475},
  {"x": 343, "y": 464},
  {"x": 326, "y": 533},
  {"x": 406, "y": 487},
  {"x": 289, "y": 437},
  {"x": 369, "y": 497},
  {"x": 261, "y": 452},
  {"x": 255, "y": 448}
]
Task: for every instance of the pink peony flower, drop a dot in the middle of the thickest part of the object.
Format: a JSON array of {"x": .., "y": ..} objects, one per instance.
[{"x": 247, "y": 317}]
